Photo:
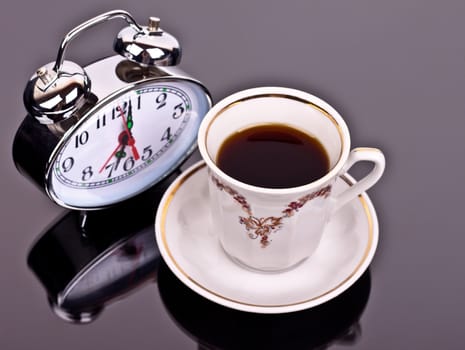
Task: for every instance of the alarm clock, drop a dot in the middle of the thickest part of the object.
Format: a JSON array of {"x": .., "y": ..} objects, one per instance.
[{"x": 99, "y": 135}]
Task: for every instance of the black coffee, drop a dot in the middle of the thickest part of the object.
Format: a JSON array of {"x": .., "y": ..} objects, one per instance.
[{"x": 273, "y": 156}]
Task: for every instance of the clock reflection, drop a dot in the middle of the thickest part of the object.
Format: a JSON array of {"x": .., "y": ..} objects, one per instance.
[
  {"x": 213, "y": 326},
  {"x": 86, "y": 260}
]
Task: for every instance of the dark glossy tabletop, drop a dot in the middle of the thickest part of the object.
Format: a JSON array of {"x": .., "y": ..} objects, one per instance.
[{"x": 395, "y": 71}]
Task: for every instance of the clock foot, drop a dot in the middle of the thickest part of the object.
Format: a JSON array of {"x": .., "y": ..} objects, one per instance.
[
  {"x": 83, "y": 216},
  {"x": 75, "y": 316}
]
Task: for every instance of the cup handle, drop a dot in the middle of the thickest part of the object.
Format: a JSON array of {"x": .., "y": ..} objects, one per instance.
[{"x": 373, "y": 155}]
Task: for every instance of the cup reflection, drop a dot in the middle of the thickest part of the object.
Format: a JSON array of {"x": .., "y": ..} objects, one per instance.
[{"x": 213, "y": 326}]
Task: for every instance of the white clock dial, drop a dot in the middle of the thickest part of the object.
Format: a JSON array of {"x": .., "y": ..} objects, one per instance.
[{"x": 127, "y": 145}]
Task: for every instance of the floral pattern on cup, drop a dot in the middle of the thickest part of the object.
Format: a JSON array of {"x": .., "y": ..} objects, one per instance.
[{"x": 264, "y": 227}]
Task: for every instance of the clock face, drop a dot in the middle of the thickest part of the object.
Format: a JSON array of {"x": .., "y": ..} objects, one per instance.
[{"x": 127, "y": 145}]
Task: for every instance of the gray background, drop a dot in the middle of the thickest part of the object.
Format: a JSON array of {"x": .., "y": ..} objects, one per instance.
[{"x": 394, "y": 69}]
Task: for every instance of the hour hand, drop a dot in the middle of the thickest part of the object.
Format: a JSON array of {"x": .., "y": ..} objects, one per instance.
[{"x": 118, "y": 152}]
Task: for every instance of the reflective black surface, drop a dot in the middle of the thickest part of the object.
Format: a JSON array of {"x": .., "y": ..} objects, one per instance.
[
  {"x": 215, "y": 327},
  {"x": 395, "y": 70},
  {"x": 87, "y": 261}
]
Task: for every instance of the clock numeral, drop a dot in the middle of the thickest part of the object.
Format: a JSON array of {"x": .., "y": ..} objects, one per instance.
[
  {"x": 102, "y": 121},
  {"x": 87, "y": 173},
  {"x": 161, "y": 100},
  {"x": 111, "y": 166},
  {"x": 81, "y": 139},
  {"x": 166, "y": 135},
  {"x": 178, "y": 111},
  {"x": 67, "y": 164},
  {"x": 147, "y": 153},
  {"x": 129, "y": 164},
  {"x": 138, "y": 102},
  {"x": 116, "y": 111}
]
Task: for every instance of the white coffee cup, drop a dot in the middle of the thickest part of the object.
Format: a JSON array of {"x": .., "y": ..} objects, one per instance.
[{"x": 271, "y": 229}]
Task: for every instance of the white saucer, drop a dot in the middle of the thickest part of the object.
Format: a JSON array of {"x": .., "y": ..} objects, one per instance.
[{"x": 195, "y": 256}]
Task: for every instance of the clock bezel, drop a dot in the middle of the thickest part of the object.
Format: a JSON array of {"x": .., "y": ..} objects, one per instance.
[{"x": 107, "y": 87}]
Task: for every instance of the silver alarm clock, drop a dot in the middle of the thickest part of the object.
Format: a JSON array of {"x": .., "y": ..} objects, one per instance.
[{"x": 99, "y": 135}]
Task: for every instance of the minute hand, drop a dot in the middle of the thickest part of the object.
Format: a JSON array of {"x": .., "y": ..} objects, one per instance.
[{"x": 131, "y": 139}]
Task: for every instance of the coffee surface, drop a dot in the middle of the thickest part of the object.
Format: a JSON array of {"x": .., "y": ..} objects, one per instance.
[{"x": 273, "y": 156}]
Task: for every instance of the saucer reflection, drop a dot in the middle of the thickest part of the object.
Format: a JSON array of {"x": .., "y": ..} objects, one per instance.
[
  {"x": 85, "y": 261},
  {"x": 213, "y": 326}
]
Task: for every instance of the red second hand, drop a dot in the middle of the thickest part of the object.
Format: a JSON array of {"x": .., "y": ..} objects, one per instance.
[
  {"x": 110, "y": 157},
  {"x": 132, "y": 140}
]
